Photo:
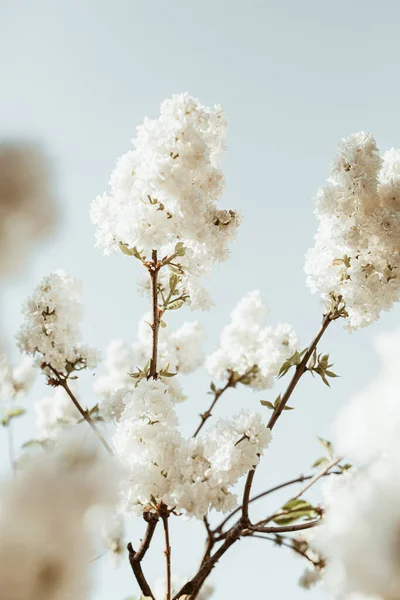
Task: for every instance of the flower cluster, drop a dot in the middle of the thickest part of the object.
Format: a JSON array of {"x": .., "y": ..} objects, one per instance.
[
  {"x": 164, "y": 192},
  {"x": 42, "y": 523},
  {"x": 54, "y": 413},
  {"x": 188, "y": 475},
  {"x": 249, "y": 348},
  {"x": 15, "y": 381},
  {"x": 356, "y": 257},
  {"x": 361, "y": 528},
  {"x": 27, "y": 207},
  {"x": 180, "y": 351},
  {"x": 370, "y": 423},
  {"x": 363, "y": 507},
  {"x": 51, "y": 331}
]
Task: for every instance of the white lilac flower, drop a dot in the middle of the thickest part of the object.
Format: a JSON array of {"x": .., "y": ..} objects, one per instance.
[
  {"x": 360, "y": 534},
  {"x": 51, "y": 330},
  {"x": 356, "y": 254},
  {"x": 54, "y": 413},
  {"x": 181, "y": 350},
  {"x": 370, "y": 423},
  {"x": 250, "y": 347},
  {"x": 42, "y": 523},
  {"x": 164, "y": 191},
  {"x": 190, "y": 475},
  {"x": 15, "y": 381},
  {"x": 27, "y": 205}
]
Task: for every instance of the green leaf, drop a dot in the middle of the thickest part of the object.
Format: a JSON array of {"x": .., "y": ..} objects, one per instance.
[
  {"x": 175, "y": 305},
  {"x": 327, "y": 445},
  {"x": 268, "y": 404},
  {"x": 297, "y": 509},
  {"x": 163, "y": 324},
  {"x": 319, "y": 462},
  {"x": 12, "y": 413}
]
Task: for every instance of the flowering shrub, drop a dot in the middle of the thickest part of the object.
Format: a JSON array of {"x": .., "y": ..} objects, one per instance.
[{"x": 162, "y": 212}]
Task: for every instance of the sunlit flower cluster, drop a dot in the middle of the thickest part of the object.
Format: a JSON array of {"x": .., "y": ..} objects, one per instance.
[
  {"x": 51, "y": 330},
  {"x": 191, "y": 475},
  {"x": 356, "y": 255},
  {"x": 165, "y": 189},
  {"x": 249, "y": 348}
]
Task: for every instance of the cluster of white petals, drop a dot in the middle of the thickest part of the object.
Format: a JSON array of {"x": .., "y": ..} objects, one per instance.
[
  {"x": 180, "y": 351},
  {"x": 191, "y": 475},
  {"x": 164, "y": 192},
  {"x": 251, "y": 349},
  {"x": 27, "y": 207},
  {"x": 45, "y": 547},
  {"x": 15, "y": 381},
  {"x": 54, "y": 413},
  {"x": 370, "y": 423},
  {"x": 360, "y": 536},
  {"x": 356, "y": 255},
  {"x": 51, "y": 330}
]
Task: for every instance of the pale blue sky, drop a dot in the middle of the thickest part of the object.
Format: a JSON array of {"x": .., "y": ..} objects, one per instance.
[{"x": 294, "y": 77}]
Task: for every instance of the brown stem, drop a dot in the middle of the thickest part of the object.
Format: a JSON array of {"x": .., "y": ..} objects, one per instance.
[
  {"x": 233, "y": 380},
  {"x": 167, "y": 553},
  {"x": 192, "y": 587},
  {"x": 135, "y": 558},
  {"x": 299, "y": 372},
  {"x": 85, "y": 413},
  {"x": 321, "y": 473},
  {"x": 276, "y": 488},
  {"x": 153, "y": 270},
  {"x": 285, "y": 528},
  {"x": 279, "y": 541}
]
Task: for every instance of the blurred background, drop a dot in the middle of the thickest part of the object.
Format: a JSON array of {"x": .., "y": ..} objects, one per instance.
[{"x": 293, "y": 77}]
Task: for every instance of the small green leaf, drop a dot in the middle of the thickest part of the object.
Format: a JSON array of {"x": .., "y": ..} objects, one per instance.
[
  {"x": 11, "y": 413},
  {"x": 327, "y": 445},
  {"x": 163, "y": 324},
  {"x": 267, "y": 404},
  {"x": 319, "y": 462}
]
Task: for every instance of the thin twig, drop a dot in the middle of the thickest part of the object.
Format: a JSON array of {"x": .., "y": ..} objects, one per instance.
[
  {"x": 285, "y": 528},
  {"x": 135, "y": 558},
  {"x": 317, "y": 476},
  {"x": 299, "y": 372},
  {"x": 167, "y": 553},
  {"x": 276, "y": 488},
  {"x": 153, "y": 270},
  {"x": 232, "y": 382},
  {"x": 279, "y": 541},
  {"x": 62, "y": 381}
]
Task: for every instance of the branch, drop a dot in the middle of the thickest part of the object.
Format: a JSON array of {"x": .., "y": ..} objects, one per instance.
[
  {"x": 280, "y": 541},
  {"x": 276, "y": 488},
  {"x": 301, "y": 368},
  {"x": 285, "y": 528},
  {"x": 153, "y": 270},
  {"x": 318, "y": 476},
  {"x": 62, "y": 381},
  {"x": 167, "y": 553},
  {"x": 232, "y": 382},
  {"x": 135, "y": 558},
  {"x": 299, "y": 371}
]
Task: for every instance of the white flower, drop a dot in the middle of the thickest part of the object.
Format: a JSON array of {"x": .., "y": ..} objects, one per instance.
[
  {"x": 249, "y": 348},
  {"x": 360, "y": 534},
  {"x": 44, "y": 545},
  {"x": 356, "y": 254},
  {"x": 164, "y": 191},
  {"x": 370, "y": 423},
  {"x": 51, "y": 331},
  {"x": 27, "y": 207},
  {"x": 54, "y": 413},
  {"x": 189, "y": 475},
  {"x": 15, "y": 381}
]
